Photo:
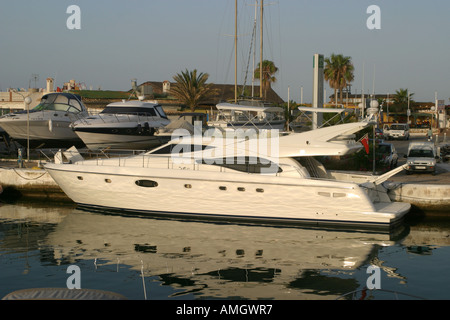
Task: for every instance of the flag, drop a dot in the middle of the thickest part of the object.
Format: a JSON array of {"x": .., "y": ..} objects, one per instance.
[{"x": 365, "y": 142}]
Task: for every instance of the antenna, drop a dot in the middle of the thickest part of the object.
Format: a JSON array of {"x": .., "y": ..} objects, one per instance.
[{"x": 35, "y": 77}]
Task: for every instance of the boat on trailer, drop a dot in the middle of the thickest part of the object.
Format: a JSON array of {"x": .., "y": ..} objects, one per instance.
[{"x": 275, "y": 180}]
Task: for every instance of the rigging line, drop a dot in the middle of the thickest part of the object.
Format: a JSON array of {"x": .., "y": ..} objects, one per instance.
[
  {"x": 280, "y": 63},
  {"x": 249, "y": 57},
  {"x": 219, "y": 58}
]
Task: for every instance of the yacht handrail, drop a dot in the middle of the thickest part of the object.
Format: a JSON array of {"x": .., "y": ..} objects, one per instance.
[
  {"x": 140, "y": 159},
  {"x": 119, "y": 117}
]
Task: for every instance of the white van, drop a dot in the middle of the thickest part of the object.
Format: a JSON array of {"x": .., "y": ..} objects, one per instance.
[
  {"x": 421, "y": 157},
  {"x": 396, "y": 131}
]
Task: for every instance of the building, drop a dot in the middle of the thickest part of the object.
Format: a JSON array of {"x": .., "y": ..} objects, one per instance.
[
  {"x": 356, "y": 99},
  {"x": 225, "y": 92}
]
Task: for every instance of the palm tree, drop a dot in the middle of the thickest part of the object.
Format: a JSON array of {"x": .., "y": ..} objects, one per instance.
[
  {"x": 338, "y": 72},
  {"x": 191, "y": 88},
  {"x": 268, "y": 71},
  {"x": 401, "y": 99}
]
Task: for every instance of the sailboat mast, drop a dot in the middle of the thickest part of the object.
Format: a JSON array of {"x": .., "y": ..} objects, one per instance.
[
  {"x": 254, "y": 49},
  {"x": 261, "y": 53},
  {"x": 235, "y": 51}
]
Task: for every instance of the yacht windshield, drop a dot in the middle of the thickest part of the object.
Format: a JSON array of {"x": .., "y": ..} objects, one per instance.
[
  {"x": 161, "y": 111},
  {"x": 57, "y": 102},
  {"x": 130, "y": 110}
]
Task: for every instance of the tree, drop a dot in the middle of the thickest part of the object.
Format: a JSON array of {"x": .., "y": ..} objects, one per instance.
[
  {"x": 191, "y": 88},
  {"x": 401, "y": 100},
  {"x": 338, "y": 72},
  {"x": 268, "y": 71}
]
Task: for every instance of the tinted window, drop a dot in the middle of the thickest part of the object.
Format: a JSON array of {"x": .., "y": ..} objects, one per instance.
[
  {"x": 131, "y": 110},
  {"x": 147, "y": 183},
  {"x": 245, "y": 164},
  {"x": 180, "y": 148}
]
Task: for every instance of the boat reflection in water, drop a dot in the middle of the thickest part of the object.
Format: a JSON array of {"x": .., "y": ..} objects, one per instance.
[{"x": 203, "y": 259}]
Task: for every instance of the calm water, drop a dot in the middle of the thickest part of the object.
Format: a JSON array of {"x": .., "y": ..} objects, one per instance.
[{"x": 145, "y": 258}]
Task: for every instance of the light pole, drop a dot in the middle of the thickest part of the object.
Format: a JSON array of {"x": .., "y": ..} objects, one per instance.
[
  {"x": 27, "y": 103},
  {"x": 373, "y": 111}
]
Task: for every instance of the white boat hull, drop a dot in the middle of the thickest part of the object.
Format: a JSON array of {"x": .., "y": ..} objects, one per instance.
[
  {"x": 224, "y": 195},
  {"x": 42, "y": 131},
  {"x": 98, "y": 141}
]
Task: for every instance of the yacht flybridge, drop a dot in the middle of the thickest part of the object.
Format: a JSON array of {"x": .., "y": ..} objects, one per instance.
[
  {"x": 48, "y": 124},
  {"x": 275, "y": 179},
  {"x": 248, "y": 114}
]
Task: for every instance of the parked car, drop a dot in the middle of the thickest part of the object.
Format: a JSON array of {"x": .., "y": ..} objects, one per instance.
[
  {"x": 421, "y": 157},
  {"x": 396, "y": 131},
  {"x": 386, "y": 154}
]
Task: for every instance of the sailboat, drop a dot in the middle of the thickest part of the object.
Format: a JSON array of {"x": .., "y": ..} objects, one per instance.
[{"x": 245, "y": 113}]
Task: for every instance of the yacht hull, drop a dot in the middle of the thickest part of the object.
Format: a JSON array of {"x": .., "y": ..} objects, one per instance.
[
  {"x": 132, "y": 140},
  {"x": 224, "y": 195},
  {"x": 43, "y": 133}
]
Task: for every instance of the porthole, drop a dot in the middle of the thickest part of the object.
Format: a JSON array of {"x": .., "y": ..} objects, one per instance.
[
  {"x": 146, "y": 183},
  {"x": 223, "y": 188},
  {"x": 188, "y": 186},
  {"x": 108, "y": 180},
  {"x": 241, "y": 189},
  {"x": 261, "y": 190},
  {"x": 80, "y": 178}
]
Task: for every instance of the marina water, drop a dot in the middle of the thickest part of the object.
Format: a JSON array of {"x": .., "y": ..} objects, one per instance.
[{"x": 164, "y": 259}]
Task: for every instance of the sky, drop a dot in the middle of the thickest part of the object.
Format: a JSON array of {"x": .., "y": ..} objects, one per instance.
[{"x": 153, "y": 40}]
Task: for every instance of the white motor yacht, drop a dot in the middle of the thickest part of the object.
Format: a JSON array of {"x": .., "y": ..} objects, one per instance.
[
  {"x": 123, "y": 125},
  {"x": 236, "y": 179},
  {"x": 48, "y": 124}
]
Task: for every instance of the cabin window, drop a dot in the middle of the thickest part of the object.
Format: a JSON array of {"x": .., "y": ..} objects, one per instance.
[
  {"x": 223, "y": 188},
  {"x": 180, "y": 148},
  {"x": 261, "y": 190},
  {"x": 146, "y": 183},
  {"x": 108, "y": 180},
  {"x": 161, "y": 111},
  {"x": 241, "y": 189},
  {"x": 130, "y": 110},
  {"x": 324, "y": 194},
  {"x": 245, "y": 164},
  {"x": 188, "y": 186},
  {"x": 339, "y": 195},
  {"x": 80, "y": 178}
]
